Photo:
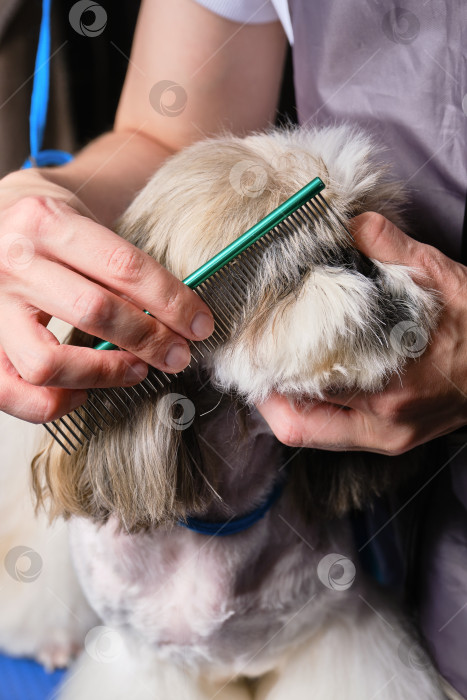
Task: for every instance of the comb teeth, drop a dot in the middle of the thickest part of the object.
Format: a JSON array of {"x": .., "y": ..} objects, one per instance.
[{"x": 224, "y": 292}]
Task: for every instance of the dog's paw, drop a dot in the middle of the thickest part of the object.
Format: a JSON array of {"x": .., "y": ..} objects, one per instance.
[{"x": 58, "y": 650}]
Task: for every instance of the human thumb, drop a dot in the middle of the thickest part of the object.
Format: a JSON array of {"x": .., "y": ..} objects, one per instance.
[{"x": 379, "y": 238}]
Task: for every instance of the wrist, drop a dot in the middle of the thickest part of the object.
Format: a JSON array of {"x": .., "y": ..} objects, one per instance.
[
  {"x": 107, "y": 174},
  {"x": 33, "y": 182}
]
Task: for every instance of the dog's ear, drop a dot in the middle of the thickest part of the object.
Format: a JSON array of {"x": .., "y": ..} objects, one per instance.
[
  {"x": 327, "y": 485},
  {"x": 145, "y": 470}
]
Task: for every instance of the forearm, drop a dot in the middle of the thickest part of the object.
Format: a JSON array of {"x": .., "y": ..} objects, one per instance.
[
  {"x": 231, "y": 77},
  {"x": 109, "y": 171}
]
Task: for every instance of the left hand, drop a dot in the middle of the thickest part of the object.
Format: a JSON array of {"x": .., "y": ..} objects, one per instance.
[{"x": 431, "y": 397}]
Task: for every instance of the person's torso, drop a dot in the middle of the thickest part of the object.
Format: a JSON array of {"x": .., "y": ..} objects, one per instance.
[{"x": 398, "y": 70}]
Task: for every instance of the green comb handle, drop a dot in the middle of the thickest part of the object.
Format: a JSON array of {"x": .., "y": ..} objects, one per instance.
[
  {"x": 255, "y": 232},
  {"x": 245, "y": 240}
]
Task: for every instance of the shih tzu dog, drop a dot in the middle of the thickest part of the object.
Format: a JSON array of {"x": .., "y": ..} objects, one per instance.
[{"x": 220, "y": 563}]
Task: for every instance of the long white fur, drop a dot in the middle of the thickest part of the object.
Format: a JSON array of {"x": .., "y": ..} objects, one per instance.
[{"x": 46, "y": 618}]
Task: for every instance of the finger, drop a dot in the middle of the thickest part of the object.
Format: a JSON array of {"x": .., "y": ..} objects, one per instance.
[
  {"x": 40, "y": 359},
  {"x": 374, "y": 403},
  {"x": 357, "y": 400},
  {"x": 32, "y": 403},
  {"x": 379, "y": 238},
  {"x": 99, "y": 312},
  {"x": 322, "y": 426},
  {"x": 103, "y": 256},
  {"x": 313, "y": 424}
]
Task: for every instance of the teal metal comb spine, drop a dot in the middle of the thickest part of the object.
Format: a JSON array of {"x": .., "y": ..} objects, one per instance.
[{"x": 246, "y": 240}]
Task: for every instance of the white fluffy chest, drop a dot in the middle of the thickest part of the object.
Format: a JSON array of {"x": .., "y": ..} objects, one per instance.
[{"x": 235, "y": 602}]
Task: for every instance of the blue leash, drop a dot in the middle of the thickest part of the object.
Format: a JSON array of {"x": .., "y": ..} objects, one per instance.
[{"x": 40, "y": 101}]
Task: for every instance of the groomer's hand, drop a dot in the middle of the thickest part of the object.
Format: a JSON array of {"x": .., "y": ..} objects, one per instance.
[
  {"x": 56, "y": 260},
  {"x": 431, "y": 398}
]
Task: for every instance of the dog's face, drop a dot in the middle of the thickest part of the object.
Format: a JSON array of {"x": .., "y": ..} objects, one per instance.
[{"x": 318, "y": 316}]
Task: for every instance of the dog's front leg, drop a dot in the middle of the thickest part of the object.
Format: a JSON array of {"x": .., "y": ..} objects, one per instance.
[
  {"x": 363, "y": 653},
  {"x": 43, "y": 613}
]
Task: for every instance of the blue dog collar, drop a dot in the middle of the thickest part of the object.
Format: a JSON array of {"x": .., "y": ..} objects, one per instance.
[{"x": 235, "y": 525}]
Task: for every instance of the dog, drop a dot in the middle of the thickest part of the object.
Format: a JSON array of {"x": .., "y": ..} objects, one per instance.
[{"x": 280, "y": 608}]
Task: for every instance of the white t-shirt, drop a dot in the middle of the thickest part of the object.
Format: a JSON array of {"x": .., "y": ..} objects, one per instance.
[{"x": 252, "y": 12}]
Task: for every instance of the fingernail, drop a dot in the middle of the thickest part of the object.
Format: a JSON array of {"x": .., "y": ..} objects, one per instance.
[
  {"x": 202, "y": 325},
  {"x": 136, "y": 373},
  {"x": 178, "y": 356}
]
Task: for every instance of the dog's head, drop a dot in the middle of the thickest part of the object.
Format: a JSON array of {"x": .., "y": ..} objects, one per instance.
[{"x": 318, "y": 316}]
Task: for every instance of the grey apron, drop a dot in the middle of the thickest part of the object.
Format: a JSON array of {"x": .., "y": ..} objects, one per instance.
[{"x": 400, "y": 71}]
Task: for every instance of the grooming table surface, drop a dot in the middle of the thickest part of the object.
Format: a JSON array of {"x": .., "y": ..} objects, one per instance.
[{"x": 23, "y": 679}]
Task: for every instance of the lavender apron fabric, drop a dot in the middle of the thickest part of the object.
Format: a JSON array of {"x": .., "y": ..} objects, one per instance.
[{"x": 400, "y": 71}]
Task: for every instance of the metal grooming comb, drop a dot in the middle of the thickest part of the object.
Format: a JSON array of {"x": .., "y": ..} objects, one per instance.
[{"x": 221, "y": 283}]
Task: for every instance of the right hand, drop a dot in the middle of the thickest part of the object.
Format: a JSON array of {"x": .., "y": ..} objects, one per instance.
[{"x": 56, "y": 260}]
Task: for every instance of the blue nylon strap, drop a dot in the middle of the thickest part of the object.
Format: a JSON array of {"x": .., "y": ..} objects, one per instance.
[
  {"x": 40, "y": 100},
  {"x": 40, "y": 90},
  {"x": 232, "y": 527},
  {"x": 48, "y": 157}
]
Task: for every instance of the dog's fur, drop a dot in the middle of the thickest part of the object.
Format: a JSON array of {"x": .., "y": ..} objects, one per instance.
[{"x": 201, "y": 615}]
